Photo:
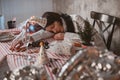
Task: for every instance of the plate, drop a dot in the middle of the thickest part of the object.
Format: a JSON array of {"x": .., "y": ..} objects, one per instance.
[{"x": 6, "y": 36}]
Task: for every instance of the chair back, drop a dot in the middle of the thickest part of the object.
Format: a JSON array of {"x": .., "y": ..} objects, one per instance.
[{"x": 105, "y": 24}]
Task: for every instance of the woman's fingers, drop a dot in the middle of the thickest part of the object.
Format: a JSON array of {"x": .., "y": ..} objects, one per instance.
[
  {"x": 19, "y": 45},
  {"x": 59, "y": 36},
  {"x": 16, "y": 45},
  {"x": 21, "y": 49}
]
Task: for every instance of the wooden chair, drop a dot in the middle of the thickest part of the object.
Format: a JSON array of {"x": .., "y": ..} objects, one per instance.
[{"x": 105, "y": 23}]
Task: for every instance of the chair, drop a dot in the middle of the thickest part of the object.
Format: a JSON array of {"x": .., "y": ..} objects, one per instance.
[{"x": 105, "y": 23}]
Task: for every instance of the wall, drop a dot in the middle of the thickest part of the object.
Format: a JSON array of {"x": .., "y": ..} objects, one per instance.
[
  {"x": 0, "y": 8},
  {"x": 23, "y": 9},
  {"x": 83, "y": 8}
]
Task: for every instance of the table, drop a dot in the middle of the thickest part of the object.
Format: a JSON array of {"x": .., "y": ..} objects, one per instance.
[{"x": 16, "y": 59}]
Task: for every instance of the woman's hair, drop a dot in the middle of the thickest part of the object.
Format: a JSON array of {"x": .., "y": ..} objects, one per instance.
[
  {"x": 69, "y": 22},
  {"x": 53, "y": 16}
]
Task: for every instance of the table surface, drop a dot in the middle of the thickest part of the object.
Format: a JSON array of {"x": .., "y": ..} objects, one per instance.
[{"x": 17, "y": 59}]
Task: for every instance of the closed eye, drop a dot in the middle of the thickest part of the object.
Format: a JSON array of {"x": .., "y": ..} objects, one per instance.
[{"x": 51, "y": 31}]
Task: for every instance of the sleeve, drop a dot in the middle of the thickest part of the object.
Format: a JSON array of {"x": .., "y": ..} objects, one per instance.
[
  {"x": 71, "y": 36},
  {"x": 77, "y": 20},
  {"x": 41, "y": 34}
]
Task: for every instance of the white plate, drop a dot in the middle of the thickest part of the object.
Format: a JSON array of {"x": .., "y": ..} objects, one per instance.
[{"x": 6, "y": 36}]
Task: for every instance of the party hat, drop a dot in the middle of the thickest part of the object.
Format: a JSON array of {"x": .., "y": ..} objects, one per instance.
[{"x": 42, "y": 57}]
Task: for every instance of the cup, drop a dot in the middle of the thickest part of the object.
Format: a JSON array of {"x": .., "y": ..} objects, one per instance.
[{"x": 11, "y": 24}]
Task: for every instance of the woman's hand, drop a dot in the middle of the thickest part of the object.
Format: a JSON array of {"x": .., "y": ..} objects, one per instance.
[
  {"x": 59, "y": 36},
  {"x": 17, "y": 46}
]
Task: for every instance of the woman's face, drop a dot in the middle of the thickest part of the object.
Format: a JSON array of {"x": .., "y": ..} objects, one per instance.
[{"x": 56, "y": 27}]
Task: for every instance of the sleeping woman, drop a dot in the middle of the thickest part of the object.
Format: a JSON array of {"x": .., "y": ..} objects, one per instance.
[{"x": 60, "y": 27}]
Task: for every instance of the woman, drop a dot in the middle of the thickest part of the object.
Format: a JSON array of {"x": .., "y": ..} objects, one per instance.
[
  {"x": 64, "y": 27},
  {"x": 59, "y": 24}
]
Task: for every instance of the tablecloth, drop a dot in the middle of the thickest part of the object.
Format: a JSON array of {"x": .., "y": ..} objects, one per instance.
[{"x": 17, "y": 59}]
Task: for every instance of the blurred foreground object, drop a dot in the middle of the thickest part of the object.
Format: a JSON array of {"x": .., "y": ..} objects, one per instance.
[
  {"x": 91, "y": 64},
  {"x": 27, "y": 73}
]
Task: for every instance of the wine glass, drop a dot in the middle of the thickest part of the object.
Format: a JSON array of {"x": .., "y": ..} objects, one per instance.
[
  {"x": 30, "y": 28},
  {"x": 26, "y": 41}
]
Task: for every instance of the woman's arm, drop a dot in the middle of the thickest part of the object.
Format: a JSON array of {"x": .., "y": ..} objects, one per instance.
[{"x": 41, "y": 34}]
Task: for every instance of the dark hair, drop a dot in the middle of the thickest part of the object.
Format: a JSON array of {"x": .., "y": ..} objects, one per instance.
[
  {"x": 53, "y": 16},
  {"x": 69, "y": 23}
]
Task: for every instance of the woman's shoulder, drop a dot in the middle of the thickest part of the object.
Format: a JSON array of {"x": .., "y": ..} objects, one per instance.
[{"x": 76, "y": 17}]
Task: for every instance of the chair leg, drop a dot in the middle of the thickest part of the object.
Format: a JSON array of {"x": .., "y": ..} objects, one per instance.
[{"x": 110, "y": 37}]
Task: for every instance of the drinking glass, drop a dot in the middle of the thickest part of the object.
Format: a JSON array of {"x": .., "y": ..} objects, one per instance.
[
  {"x": 26, "y": 41},
  {"x": 30, "y": 29}
]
